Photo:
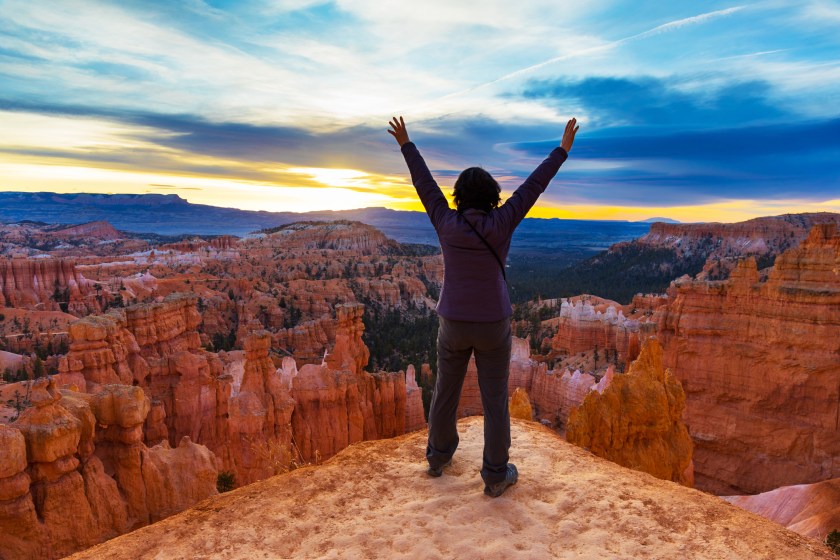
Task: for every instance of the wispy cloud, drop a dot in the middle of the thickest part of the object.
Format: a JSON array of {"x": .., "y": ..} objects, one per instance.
[{"x": 669, "y": 26}]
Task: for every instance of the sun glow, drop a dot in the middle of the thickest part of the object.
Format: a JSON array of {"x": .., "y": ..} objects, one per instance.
[{"x": 309, "y": 189}]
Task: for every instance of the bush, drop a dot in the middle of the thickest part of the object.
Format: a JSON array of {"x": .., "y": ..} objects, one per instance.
[
  {"x": 225, "y": 481},
  {"x": 833, "y": 541}
]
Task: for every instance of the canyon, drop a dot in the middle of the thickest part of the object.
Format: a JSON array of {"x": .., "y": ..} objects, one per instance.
[{"x": 172, "y": 363}]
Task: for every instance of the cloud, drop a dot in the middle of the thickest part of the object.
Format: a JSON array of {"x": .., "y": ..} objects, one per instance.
[
  {"x": 174, "y": 187},
  {"x": 661, "y": 102},
  {"x": 606, "y": 46},
  {"x": 631, "y": 165},
  {"x": 820, "y": 11},
  {"x": 795, "y": 160}
]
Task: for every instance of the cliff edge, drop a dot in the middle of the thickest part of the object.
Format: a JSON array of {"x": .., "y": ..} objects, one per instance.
[{"x": 374, "y": 500}]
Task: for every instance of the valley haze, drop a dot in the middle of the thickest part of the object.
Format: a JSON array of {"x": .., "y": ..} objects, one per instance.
[{"x": 172, "y": 215}]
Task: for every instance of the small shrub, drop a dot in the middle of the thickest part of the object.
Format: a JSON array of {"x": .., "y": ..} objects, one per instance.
[
  {"x": 225, "y": 481},
  {"x": 282, "y": 457},
  {"x": 833, "y": 541}
]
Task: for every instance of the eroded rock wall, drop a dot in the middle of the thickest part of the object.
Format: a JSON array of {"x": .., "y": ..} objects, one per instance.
[
  {"x": 759, "y": 364},
  {"x": 552, "y": 393},
  {"x": 51, "y": 284}
]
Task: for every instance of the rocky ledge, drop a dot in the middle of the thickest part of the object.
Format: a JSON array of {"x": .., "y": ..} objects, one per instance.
[{"x": 374, "y": 500}]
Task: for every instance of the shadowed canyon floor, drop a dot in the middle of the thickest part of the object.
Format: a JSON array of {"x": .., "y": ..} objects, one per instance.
[{"x": 374, "y": 500}]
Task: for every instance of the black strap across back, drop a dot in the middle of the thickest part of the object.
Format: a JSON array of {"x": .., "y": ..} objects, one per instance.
[{"x": 498, "y": 260}]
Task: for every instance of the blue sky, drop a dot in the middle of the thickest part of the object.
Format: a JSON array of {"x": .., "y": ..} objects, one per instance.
[{"x": 712, "y": 111}]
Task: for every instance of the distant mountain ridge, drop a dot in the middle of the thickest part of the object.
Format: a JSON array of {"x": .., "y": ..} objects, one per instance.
[
  {"x": 667, "y": 251},
  {"x": 169, "y": 214}
]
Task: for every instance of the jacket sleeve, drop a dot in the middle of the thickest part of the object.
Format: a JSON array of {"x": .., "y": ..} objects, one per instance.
[
  {"x": 516, "y": 207},
  {"x": 427, "y": 189}
]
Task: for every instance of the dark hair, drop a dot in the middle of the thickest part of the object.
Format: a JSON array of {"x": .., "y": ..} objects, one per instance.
[{"x": 475, "y": 188}]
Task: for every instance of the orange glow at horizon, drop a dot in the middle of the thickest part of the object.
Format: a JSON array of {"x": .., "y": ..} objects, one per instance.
[
  {"x": 270, "y": 186},
  {"x": 345, "y": 189}
]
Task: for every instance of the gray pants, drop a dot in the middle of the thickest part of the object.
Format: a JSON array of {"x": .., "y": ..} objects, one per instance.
[{"x": 457, "y": 340}]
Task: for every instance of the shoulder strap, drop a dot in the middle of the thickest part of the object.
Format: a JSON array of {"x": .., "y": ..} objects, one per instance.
[{"x": 498, "y": 260}]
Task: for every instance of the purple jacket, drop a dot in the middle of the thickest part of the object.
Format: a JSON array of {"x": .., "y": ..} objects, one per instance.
[{"x": 473, "y": 286}]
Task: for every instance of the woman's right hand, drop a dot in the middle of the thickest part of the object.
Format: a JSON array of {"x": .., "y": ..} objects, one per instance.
[
  {"x": 399, "y": 132},
  {"x": 569, "y": 135}
]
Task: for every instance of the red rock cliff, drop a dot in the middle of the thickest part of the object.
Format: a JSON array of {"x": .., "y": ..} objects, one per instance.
[
  {"x": 760, "y": 235},
  {"x": 759, "y": 364}
]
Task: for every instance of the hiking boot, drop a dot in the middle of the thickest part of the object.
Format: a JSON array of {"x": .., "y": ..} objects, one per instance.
[
  {"x": 497, "y": 489},
  {"x": 437, "y": 471}
]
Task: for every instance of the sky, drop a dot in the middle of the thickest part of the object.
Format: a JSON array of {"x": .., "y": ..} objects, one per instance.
[{"x": 695, "y": 111}]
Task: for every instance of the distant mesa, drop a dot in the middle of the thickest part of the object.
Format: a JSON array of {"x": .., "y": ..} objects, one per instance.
[
  {"x": 664, "y": 220},
  {"x": 99, "y": 229}
]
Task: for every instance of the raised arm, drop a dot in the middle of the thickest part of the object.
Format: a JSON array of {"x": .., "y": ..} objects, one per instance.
[
  {"x": 517, "y": 206},
  {"x": 427, "y": 189}
]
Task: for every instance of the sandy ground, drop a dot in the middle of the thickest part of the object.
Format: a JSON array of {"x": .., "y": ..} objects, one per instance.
[{"x": 374, "y": 500}]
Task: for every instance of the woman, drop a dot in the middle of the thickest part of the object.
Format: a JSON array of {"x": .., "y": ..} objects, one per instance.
[{"x": 474, "y": 308}]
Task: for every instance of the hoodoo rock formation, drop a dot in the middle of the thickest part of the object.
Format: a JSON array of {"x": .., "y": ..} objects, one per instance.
[
  {"x": 567, "y": 504},
  {"x": 582, "y": 327},
  {"x": 155, "y": 346},
  {"x": 636, "y": 421},
  {"x": 520, "y": 405},
  {"x": 759, "y": 364},
  {"x": 552, "y": 393},
  {"x": 255, "y": 418},
  {"x": 349, "y": 352},
  {"x": 415, "y": 418},
  {"x": 74, "y": 471}
]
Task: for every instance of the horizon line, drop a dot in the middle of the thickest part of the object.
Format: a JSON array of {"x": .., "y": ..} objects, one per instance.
[{"x": 651, "y": 220}]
